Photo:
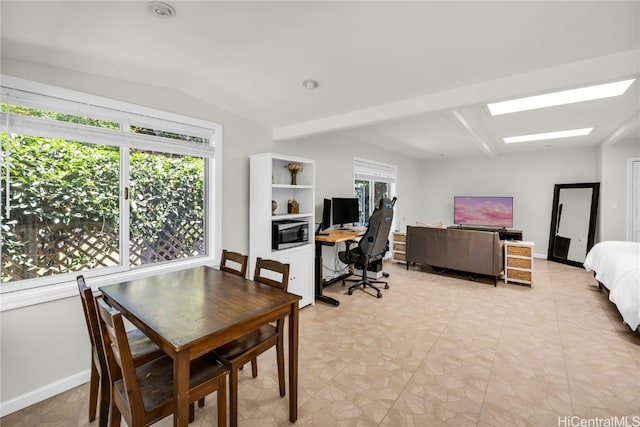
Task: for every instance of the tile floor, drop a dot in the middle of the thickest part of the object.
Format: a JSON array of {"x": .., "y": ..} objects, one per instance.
[{"x": 437, "y": 350}]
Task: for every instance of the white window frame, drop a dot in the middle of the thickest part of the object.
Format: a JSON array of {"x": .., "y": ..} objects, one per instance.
[
  {"x": 370, "y": 170},
  {"x": 20, "y": 296}
]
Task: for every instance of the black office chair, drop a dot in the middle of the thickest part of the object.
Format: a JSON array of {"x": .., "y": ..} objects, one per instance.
[{"x": 372, "y": 247}]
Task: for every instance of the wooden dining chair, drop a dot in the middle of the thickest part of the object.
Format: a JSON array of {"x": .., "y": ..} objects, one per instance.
[
  {"x": 142, "y": 348},
  {"x": 234, "y": 262},
  {"x": 237, "y": 353},
  {"x": 143, "y": 395}
]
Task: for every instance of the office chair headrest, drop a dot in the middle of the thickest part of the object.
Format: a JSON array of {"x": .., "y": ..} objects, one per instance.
[{"x": 386, "y": 203}]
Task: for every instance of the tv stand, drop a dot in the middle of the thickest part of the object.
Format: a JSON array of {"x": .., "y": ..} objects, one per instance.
[{"x": 503, "y": 233}]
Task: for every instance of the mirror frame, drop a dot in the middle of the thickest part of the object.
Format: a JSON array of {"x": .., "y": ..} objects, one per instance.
[{"x": 593, "y": 214}]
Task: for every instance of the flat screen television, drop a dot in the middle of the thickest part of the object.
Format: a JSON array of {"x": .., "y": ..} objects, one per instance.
[
  {"x": 345, "y": 210},
  {"x": 483, "y": 211}
]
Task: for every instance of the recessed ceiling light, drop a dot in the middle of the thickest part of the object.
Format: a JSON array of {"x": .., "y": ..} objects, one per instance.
[
  {"x": 560, "y": 98},
  {"x": 310, "y": 84},
  {"x": 548, "y": 135},
  {"x": 161, "y": 9}
]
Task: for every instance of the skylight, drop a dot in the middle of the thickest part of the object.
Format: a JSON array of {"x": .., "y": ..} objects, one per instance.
[
  {"x": 548, "y": 135},
  {"x": 560, "y": 98}
]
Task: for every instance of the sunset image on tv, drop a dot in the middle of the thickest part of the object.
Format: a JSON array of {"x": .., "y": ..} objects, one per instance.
[{"x": 486, "y": 211}]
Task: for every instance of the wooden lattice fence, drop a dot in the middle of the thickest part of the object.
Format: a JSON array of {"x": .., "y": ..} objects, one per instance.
[
  {"x": 59, "y": 249},
  {"x": 63, "y": 248},
  {"x": 175, "y": 241}
]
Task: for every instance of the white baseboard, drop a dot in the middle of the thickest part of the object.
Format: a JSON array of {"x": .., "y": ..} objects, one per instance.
[{"x": 44, "y": 393}]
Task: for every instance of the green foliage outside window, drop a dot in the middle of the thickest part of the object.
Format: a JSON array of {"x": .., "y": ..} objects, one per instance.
[{"x": 71, "y": 189}]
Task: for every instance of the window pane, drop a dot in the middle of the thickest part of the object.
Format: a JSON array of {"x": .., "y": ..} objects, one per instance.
[
  {"x": 381, "y": 190},
  {"x": 362, "y": 193},
  {"x": 167, "y": 207},
  {"x": 63, "y": 207}
]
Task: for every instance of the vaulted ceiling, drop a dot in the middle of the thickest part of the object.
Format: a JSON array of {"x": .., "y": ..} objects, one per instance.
[{"x": 411, "y": 76}]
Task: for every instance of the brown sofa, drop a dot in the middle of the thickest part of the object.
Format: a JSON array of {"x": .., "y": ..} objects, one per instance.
[{"x": 479, "y": 252}]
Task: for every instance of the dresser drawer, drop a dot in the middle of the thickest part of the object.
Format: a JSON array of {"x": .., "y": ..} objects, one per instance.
[
  {"x": 519, "y": 250},
  {"x": 518, "y": 275},
  {"x": 519, "y": 263},
  {"x": 399, "y": 256},
  {"x": 399, "y": 247}
]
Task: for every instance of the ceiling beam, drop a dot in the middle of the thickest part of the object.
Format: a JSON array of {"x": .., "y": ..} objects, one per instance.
[
  {"x": 571, "y": 75},
  {"x": 632, "y": 122},
  {"x": 475, "y": 137}
]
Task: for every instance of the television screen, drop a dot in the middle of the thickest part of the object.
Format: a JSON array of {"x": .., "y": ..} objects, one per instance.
[
  {"x": 345, "y": 210},
  {"x": 483, "y": 211}
]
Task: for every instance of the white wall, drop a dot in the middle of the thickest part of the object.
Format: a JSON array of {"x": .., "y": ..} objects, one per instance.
[
  {"x": 45, "y": 349},
  {"x": 334, "y": 165},
  {"x": 528, "y": 177},
  {"x": 613, "y": 190}
]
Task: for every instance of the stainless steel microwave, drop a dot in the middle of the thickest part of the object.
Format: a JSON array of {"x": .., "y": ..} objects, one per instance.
[{"x": 289, "y": 233}]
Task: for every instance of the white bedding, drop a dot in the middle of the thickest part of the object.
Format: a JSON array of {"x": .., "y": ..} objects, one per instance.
[{"x": 617, "y": 266}]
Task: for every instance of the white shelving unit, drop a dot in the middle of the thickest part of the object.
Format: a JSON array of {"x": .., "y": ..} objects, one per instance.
[
  {"x": 399, "y": 246},
  {"x": 270, "y": 180},
  {"x": 518, "y": 262}
]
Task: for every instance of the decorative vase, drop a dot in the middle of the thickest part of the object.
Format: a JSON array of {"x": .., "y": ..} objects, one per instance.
[
  {"x": 274, "y": 206},
  {"x": 294, "y": 178}
]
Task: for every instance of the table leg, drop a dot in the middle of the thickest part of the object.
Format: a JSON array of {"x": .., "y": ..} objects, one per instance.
[
  {"x": 318, "y": 279},
  {"x": 181, "y": 389},
  {"x": 293, "y": 363}
]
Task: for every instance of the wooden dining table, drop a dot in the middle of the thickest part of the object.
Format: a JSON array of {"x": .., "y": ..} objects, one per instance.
[{"x": 191, "y": 312}]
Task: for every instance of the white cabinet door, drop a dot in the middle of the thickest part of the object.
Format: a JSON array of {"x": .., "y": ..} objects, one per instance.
[{"x": 300, "y": 274}]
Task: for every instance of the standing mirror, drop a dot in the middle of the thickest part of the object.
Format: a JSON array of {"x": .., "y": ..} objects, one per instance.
[{"x": 573, "y": 222}]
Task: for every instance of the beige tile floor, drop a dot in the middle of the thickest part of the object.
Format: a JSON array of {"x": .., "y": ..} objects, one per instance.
[{"x": 437, "y": 350}]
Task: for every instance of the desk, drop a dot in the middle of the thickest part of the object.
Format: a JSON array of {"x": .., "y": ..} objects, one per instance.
[
  {"x": 329, "y": 239},
  {"x": 191, "y": 312}
]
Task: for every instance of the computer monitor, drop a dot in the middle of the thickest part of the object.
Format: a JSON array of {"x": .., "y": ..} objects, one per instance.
[
  {"x": 345, "y": 211},
  {"x": 326, "y": 216}
]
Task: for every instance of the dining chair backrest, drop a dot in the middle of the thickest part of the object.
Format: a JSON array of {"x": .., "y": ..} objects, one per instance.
[
  {"x": 271, "y": 272},
  {"x": 118, "y": 354},
  {"x": 234, "y": 262},
  {"x": 91, "y": 317}
]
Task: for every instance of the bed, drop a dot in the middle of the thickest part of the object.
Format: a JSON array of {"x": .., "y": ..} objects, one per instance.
[{"x": 617, "y": 267}]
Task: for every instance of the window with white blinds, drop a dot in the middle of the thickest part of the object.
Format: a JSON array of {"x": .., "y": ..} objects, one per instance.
[
  {"x": 374, "y": 171},
  {"x": 372, "y": 181},
  {"x": 98, "y": 187}
]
